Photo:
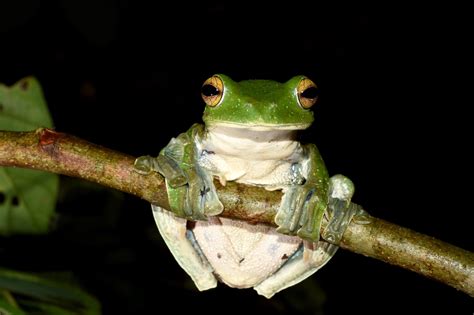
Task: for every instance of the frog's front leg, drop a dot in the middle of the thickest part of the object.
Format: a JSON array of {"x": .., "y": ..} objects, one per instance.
[
  {"x": 190, "y": 187},
  {"x": 191, "y": 195},
  {"x": 305, "y": 202}
]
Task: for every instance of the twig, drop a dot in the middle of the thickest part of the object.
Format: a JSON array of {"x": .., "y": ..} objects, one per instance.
[{"x": 47, "y": 150}]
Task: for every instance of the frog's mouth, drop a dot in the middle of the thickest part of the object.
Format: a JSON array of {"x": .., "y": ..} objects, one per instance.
[{"x": 260, "y": 127}]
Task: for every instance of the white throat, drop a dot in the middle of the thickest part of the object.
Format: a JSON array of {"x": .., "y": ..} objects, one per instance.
[
  {"x": 251, "y": 143},
  {"x": 250, "y": 156}
]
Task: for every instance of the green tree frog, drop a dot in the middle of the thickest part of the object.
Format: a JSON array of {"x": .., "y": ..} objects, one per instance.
[{"x": 249, "y": 136}]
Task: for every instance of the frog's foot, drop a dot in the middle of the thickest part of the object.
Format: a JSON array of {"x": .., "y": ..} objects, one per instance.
[
  {"x": 201, "y": 195},
  {"x": 301, "y": 212},
  {"x": 164, "y": 165},
  {"x": 191, "y": 192},
  {"x": 340, "y": 209},
  {"x": 184, "y": 248},
  {"x": 306, "y": 261}
]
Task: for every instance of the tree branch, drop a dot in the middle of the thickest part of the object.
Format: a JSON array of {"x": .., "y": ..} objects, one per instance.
[{"x": 47, "y": 150}]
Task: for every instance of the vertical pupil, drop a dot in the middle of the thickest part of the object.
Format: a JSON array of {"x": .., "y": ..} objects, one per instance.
[
  {"x": 209, "y": 90},
  {"x": 311, "y": 92}
]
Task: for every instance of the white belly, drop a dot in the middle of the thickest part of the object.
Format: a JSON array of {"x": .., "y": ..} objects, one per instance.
[{"x": 242, "y": 254}]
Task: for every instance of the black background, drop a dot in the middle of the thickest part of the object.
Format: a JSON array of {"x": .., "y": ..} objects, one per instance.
[{"x": 393, "y": 115}]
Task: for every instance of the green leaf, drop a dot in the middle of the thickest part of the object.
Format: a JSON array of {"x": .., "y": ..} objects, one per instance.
[
  {"x": 27, "y": 197},
  {"x": 41, "y": 308},
  {"x": 45, "y": 296},
  {"x": 8, "y": 309},
  {"x": 23, "y": 107}
]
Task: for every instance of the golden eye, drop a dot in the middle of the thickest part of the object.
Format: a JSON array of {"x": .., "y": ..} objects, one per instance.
[
  {"x": 307, "y": 93},
  {"x": 212, "y": 91}
]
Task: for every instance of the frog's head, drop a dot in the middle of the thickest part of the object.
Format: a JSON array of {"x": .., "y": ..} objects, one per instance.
[{"x": 259, "y": 104}]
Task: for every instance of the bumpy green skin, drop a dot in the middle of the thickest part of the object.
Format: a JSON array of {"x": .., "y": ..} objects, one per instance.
[{"x": 259, "y": 103}]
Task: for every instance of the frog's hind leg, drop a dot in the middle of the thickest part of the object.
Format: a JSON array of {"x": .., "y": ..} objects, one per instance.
[
  {"x": 183, "y": 246},
  {"x": 312, "y": 256},
  {"x": 306, "y": 261}
]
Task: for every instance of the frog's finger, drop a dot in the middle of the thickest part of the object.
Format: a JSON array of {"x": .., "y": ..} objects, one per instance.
[
  {"x": 162, "y": 164},
  {"x": 292, "y": 208},
  {"x": 302, "y": 198},
  {"x": 285, "y": 212},
  {"x": 341, "y": 215},
  {"x": 179, "y": 201},
  {"x": 186, "y": 203},
  {"x": 341, "y": 187},
  {"x": 202, "y": 195},
  {"x": 170, "y": 169},
  {"x": 340, "y": 209},
  {"x": 212, "y": 205},
  {"x": 196, "y": 198},
  {"x": 143, "y": 165},
  {"x": 307, "y": 208},
  {"x": 208, "y": 194},
  {"x": 311, "y": 222}
]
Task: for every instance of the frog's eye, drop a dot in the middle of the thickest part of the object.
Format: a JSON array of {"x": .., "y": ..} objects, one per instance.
[
  {"x": 212, "y": 91},
  {"x": 307, "y": 93}
]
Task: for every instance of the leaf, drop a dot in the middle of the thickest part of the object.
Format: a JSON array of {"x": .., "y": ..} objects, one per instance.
[
  {"x": 41, "y": 308},
  {"x": 8, "y": 309},
  {"x": 22, "y": 106},
  {"x": 27, "y": 197},
  {"x": 45, "y": 296}
]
